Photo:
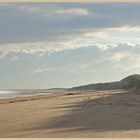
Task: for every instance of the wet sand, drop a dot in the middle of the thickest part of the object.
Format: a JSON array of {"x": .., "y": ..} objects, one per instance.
[{"x": 72, "y": 114}]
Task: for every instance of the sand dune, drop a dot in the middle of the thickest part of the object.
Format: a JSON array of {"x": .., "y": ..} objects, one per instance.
[{"x": 112, "y": 113}]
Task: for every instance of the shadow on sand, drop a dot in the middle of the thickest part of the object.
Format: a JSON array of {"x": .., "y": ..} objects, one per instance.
[{"x": 119, "y": 112}]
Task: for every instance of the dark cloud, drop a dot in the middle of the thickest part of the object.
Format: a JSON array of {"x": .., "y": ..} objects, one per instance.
[{"x": 22, "y": 24}]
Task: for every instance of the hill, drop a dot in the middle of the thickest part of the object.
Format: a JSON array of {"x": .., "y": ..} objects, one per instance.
[{"x": 132, "y": 81}]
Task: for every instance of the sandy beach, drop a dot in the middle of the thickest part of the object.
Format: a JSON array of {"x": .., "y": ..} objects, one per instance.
[{"x": 114, "y": 113}]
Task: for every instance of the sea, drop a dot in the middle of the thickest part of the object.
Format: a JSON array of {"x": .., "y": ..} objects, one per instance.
[{"x": 13, "y": 93}]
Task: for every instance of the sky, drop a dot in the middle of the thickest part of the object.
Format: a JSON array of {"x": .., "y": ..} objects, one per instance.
[{"x": 59, "y": 45}]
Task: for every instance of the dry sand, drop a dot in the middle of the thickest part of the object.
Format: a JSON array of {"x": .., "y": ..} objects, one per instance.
[{"x": 83, "y": 114}]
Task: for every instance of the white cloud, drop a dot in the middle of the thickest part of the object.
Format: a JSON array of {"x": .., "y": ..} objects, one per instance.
[
  {"x": 116, "y": 53},
  {"x": 31, "y": 48},
  {"x": 41, "y": 70},
  {"x": 132, "y": 67},
  {"x": 124, "y": 59},
  {"x": 40, "y": 48},
  {"x": 126, "y": 28},
  {"x": 55, "y": 11},
  {"x": 117, "y": 57},
  {"x": 68, "y": 69},
  {"x": 30, "y": 9},
  {"x": 115, "y": 35},
  {"x": 73, "y": 11},
  {"x": 124, "y": 51}
]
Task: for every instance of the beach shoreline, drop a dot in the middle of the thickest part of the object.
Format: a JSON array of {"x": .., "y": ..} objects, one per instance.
[
  {"x": 27, "y": 98},
  {"x": 92, "y": 114}
]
